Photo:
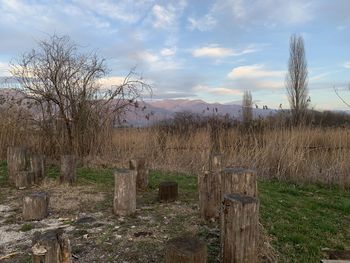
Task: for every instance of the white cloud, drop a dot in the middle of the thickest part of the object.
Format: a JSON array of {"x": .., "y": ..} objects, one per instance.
[
  {"x": 254, "y": 71},
  {"x": 168, "y": 52},
  {"x": 163, "y": 17},
  {"x": 347, "y": 65},
  {"x": 158, "y": 61},
  {"x": 110, "y": 81},
  {"x": 214, "y": 51},
  {"x": 204, "y": 23},
  {"x": 4, "y": 69},
  {"x": 217, "y": 90}
]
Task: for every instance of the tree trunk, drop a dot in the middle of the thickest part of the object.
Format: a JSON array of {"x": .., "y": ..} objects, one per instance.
[
  {"x": 238, "y": 181},
  {"x": 124, "y": 192},
  {"x": 52, "y": 246},
  {"x": 239, "y": 229},
  {"x": 186, "y": 250},
  {"x": 17, "y": 160},
  {"x": 24, "y": 179},
  {"x": 37, "y": 165},
  {"x": 35, "y": 206},
  {"x": 209, "y": 194},
  {"x": 168, "y": 191},
  {"x": 68, "y": 169}
]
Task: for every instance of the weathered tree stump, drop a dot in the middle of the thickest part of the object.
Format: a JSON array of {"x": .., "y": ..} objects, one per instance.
[
  {"x": 68, "y": 169},
  {"x": 24, "y": 179},
  {"x": 124, "y": 192},
  {"x": 209, "y": 195},
  {"x": 17, "y": 160},
  {"x": 35, "y": 206},
  {"x": 239, "y": 229},
  {"x": 186, "y": 250},
  {"x": 37, "y": 166},
  {"x": 168, "y": 191},
  {"x": 140, "y": 166},
  {"x": 238, "y": 181},
  {"x": 52, "y": 246}
]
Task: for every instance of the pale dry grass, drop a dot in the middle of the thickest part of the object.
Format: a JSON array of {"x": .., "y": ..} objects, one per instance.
[{"x": 300, "y": 155}]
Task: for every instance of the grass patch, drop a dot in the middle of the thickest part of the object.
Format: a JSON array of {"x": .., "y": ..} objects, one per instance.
[
  {"x": 304, "y": 219},
  {"x": 26, "y": 227}
]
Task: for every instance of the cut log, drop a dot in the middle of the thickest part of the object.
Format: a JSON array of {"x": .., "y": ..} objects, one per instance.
[
  {"x": 238, "y": 181},
  {"x": 52, "y": 246},
  {"x": 186, "y": 250},
  {"x": 209, "y": 195},
  {"x": 124, "y": 192},
  {"x": 239, "y": 229},
  {"x": 37, "y": 166},
  {"x": 23, "y": 179},
  {"x": 168, "y": 191},
  {"x": 35, "y": 206},
  {"x": 133, "y": 164},
  {"x": 68, "y": 169},
  {"x": 17, "y": 160}
]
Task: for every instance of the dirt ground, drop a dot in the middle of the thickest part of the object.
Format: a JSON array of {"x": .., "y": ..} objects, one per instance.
[{"x": 96, "y": 235}]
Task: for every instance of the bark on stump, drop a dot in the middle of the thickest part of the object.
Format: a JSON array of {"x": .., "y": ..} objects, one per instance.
[
  {"x": 238, "y": 181},
  {"x": 186, "y": 250},
  {"x": 17, "y": 160},
  {"x": 52, "y": 246},
  {"x": 35, "y": 206},
  {"x": 140, "y": 166},
  {"x": 23, "y": 179},
  {"x": 124, "y": 192},
  {"x": 68, "y": 169},
  {"x": 209, "y": 195},
  {"x": 239, "y": 229},
  {"x": 37, "y": 166},
  {"x": 168, "y": 191}
]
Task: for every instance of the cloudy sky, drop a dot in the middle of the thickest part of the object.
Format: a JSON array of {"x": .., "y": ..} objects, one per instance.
[{"x": 210, "y": 50}]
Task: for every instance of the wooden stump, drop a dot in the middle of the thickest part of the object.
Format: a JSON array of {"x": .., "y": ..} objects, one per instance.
[
  {"x": 209, "y": 195},
  {"x": 133, "y": 164},
  {"x": 142, "y": 174},
  {"x": 68, "y": 169},
  {"x": 37, "y": 166},
  {"x": 239, "y": 229},
  {"x": 124, "y": 192},
  {"x": 168, "y": 191},
  {"x": 52, "y": 246},
  {"x": 35, "y": 206},
  {"x": 186, "y": 250},
  {"x": 17, "y": 160},
  {"x": 238, "y": 181},
  {"x": 23, "y": 179}
]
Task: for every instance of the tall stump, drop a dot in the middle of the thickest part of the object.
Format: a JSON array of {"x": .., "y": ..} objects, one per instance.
[
  {"x": 209, "y": 194},
  {"x": 168, "y": 191},
  {"x": 35, "y": 206},
  {"x": 17, "y": 160},
  {"x": 186, "y": 250},
  {"x": 238, "y": 181},
  {"x": 124, "y": 192},
  {"x": 68, "y": 169},
  {"x": 37, "y": 166},
  {"x": 52, "y": 246},
  {"x": 24, "y": 179},
  {"x": 239, "y": 229},
  {"x": 140, "y": 165}
]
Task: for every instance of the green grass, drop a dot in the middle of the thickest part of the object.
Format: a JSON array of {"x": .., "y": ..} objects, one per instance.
[
  {"x": 26, "y": 227},
  {"x": 302, "y": 220}
]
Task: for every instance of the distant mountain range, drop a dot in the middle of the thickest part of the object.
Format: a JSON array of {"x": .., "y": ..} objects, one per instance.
[{"x": 152, "y": 111}]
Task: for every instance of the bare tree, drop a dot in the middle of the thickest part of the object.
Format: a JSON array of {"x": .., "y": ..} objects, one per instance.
[
  {"x": 247, "y": 107},
  {"x": 64, "y": 85},
  {"x": 297, "y": 79}
]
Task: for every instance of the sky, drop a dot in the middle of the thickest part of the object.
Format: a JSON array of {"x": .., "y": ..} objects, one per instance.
[{"x": 199, "y": 49}]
